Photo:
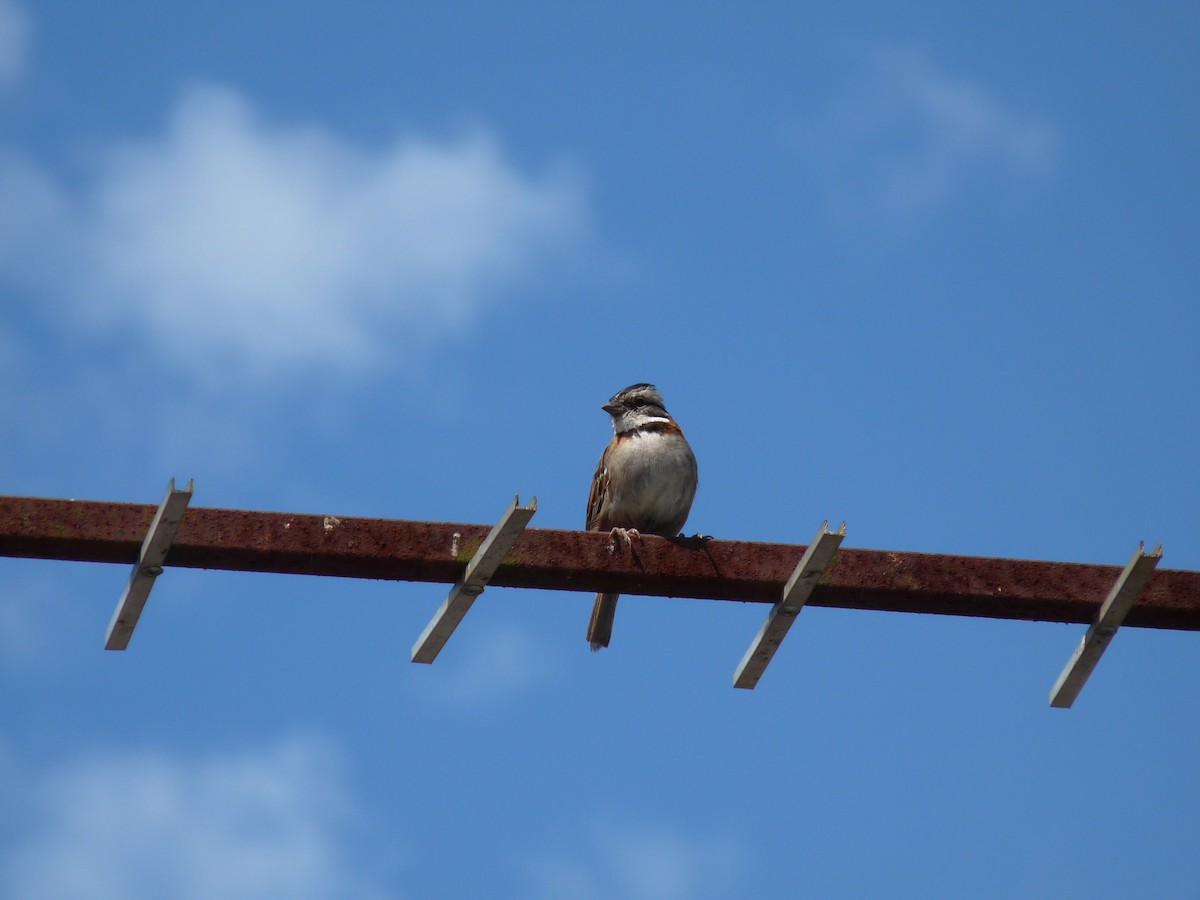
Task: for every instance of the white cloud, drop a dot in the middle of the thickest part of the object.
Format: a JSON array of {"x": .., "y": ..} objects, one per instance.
[
  {"x": 639, "y": 862},
  {"x": 244, "y": 246},
  {"x": 14, "y": 42},
  {"x": 143, "y": 824},
  {"x": 908, "y": 140}
]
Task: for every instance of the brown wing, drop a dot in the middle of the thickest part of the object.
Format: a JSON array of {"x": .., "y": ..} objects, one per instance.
[{"x": 598, "y": 494}]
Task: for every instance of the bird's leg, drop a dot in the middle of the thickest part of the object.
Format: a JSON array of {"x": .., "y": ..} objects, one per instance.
[{"x": 626, "y": 536}]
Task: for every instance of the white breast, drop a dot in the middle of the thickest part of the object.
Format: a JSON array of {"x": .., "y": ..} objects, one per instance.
[{"x": 652, "y": 480}]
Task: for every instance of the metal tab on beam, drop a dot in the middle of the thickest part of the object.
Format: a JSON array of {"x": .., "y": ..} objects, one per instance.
[
  {"x": 808, "y": 572},
  {"x": 149, "y": 566},
  {"x": 1112, "y": 613},
  {"x": 478, "y": 572}
]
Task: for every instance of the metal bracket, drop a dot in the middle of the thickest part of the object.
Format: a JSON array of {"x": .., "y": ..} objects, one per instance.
[
  {"x": 478, "y": 572},
  {"x": 1112, "y": 613},
  {"x": 813, "y": 564},
  {"x": 149, "y": 566}
]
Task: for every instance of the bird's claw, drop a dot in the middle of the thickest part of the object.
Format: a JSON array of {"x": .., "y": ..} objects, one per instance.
[{"x": 625, "y": 535}]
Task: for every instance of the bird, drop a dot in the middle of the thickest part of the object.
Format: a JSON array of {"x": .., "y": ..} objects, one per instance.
[{"x": 644, "y": 484}]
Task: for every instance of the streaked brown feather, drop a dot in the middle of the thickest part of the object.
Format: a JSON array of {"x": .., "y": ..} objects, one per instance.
[{"x": 598, "y": 492}]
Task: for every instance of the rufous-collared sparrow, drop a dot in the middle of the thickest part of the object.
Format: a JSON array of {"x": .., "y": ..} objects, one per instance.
[{"x": 644, "y": 483}]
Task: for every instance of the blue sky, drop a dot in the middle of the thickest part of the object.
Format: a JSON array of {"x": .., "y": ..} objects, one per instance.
[{"x": 928, "y": 270}]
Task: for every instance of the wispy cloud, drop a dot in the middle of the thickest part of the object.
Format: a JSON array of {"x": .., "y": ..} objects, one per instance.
[
  {"x": 482, "y": 668},
  {"x": 906, "y": 140},
  {"x": 641, "y": 862},
  {"x": 268, "y": 823},
  {"x": 14, "y": 42},
  {"x": 244, "y": 246},
  {"x": 33, "y": 616}
]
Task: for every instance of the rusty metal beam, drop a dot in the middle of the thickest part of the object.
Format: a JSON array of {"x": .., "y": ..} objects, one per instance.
[{"x": 303, "y": 544}]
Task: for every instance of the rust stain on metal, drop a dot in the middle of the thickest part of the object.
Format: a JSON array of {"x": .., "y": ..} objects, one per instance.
[
  {"x": 353, "y": 547},
  {"x": 466, "y": 550}
]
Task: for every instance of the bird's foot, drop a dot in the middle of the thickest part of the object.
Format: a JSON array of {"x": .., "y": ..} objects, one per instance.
[{"x": 626, "y": 537}]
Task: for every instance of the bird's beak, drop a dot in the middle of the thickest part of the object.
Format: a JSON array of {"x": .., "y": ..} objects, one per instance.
[{"x": 611, "y": 408}]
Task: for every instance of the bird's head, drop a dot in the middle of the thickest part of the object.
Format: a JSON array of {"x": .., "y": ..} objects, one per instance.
[{"x": 637, "y": 405}]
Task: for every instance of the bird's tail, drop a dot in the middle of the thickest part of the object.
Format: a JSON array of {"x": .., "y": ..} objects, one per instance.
[{"x": 599, "y": 631}]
